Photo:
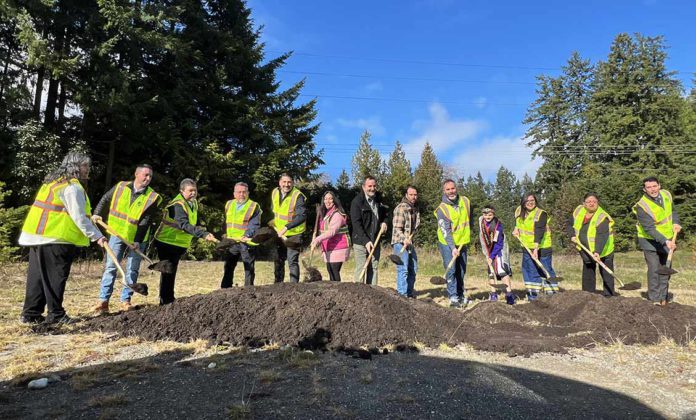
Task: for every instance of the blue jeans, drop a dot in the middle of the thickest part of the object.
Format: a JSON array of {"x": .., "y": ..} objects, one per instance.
[
  {"x": 132, "y": 270},
  {"x": 406, "y": 274},
  {"x": 534, "y": 278},
  {"x": 455, "y": 275}
]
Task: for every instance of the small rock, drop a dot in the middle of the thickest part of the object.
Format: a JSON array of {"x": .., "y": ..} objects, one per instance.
[
  {"x": 212, "y": 365},
  {"x": 285, "y": 347},
  {"x": 309, "y": 351},
  {"x": 54, "y": 378},
  {"x": 692, "y": 381},
  {"x": 38, "y": 383}
]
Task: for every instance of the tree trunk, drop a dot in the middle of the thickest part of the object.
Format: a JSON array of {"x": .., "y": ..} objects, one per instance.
[
  {"x": 52, "y": 98},
  {"x": 61, "y": 104},
  {"x": 110, "y": 164},
  {"x": 39, "y": 92}
]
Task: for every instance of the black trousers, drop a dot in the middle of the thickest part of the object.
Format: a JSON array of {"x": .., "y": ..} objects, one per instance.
[
  {"x": 49, "y": 269},
  {"x": 334, "y": 270},
  {"x": 658, "y": 285},
  {"x": 248, "y": 256},
  {"x": 589, "y": 280},
  {"x": 172, "y": 254},
  {"x": 292, "y": 256}
]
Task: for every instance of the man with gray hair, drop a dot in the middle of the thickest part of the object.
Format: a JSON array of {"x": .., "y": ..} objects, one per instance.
[
  {"x": 130, "y": 206},
  {"x": 243, "y": 219},
  {"x": 56, "y": 225},
  {"x": 176, "y": 232}
]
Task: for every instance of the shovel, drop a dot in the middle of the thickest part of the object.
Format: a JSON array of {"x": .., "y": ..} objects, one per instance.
[
  {"x": 493, "y": 282},
  {"x": 630, "y": 286},
  {"x": 140, "y": 288},
  {"x": 539, "y": 264},
  {"x": 311, "y": 273},
  {"x": 165, "y": 266},
  {"x": 363, "y": 273},
  {"x": 442, "y": 280},
  {"x": 292, "y": 242},
  {"x": 262, "y": 235},
  {"x": 667, "y": 270},
  {"x": 396, "y": 258}
]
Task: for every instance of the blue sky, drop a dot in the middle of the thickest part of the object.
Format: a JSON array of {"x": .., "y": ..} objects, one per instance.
[{"x": 460, "y": 74}]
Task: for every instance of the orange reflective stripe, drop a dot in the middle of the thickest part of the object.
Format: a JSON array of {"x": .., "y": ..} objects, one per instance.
[
  {"x": 249, "y": 213},
  {"x": 48, "y": 206},
  {"x": 117, "y": 195},
  {"x": 43, "y": 220},
  {"x": 646, "y": 208}
]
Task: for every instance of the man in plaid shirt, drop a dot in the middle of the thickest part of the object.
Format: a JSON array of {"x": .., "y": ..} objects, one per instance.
[{"x": 404, "y": 225}]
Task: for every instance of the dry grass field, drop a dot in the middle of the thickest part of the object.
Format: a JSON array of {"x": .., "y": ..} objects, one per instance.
[{"x": 26, "y": 355}]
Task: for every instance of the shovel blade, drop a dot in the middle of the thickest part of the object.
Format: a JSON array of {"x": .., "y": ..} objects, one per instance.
[
  {"x": 437, "y": 280},
  {"x": 499, "y": 286},
  {"x": 140, "y": 288},
  {"x": 312, "y": 275},
  {"x": 631, "y": 286},
  {"x": 165, "y": 267},
  {"x": 555, "y": 279},
  {"x": 293, "y": 242},
  {"x": 396, "y": 260},
  {"x": 666, "y": 271}
]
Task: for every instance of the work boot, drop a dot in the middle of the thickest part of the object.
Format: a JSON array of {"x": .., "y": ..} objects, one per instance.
[
  {"x": 455, "y": 304},
  {"x": 510, "y": 298},
  {"x": 126, "y": 306},
  {"x": 102, "y": 308},
  {"x": 532, "y": 296},
  {"x": 31, "y": 319},
  {"x": 493, "y": 296}
]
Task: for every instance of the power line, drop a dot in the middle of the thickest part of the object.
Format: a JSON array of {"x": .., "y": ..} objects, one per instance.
[
  {"x": 364, "y": 98},
  {"x": 424, "y": 79},
  {"x": 440, "y": 63}
]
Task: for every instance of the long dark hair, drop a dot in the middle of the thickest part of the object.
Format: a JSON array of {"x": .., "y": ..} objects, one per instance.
[
  {"x": 523, "y": 209},
  {"x": 337, "y": 204}
]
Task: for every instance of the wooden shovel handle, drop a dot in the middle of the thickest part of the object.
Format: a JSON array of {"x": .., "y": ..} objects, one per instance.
[
  {"x": 112, "y": 255},
  {"x": 536, "y": 260},
  {"x": 599, "y": 261},
  {"x": 369, "y": 257},
  {"x": 130, "y": 245}
]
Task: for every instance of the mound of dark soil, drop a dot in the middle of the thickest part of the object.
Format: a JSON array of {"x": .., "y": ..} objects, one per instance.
[{"x": 329, "y": 315}]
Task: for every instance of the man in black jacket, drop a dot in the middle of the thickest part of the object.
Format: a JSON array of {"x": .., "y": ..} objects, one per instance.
[{"x": 367, "y": 217}]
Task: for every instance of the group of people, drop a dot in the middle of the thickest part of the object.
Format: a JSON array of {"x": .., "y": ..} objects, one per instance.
[{"x": 60, "y": 220}]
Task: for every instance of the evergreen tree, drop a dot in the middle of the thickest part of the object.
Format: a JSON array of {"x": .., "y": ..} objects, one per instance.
[
  {"x": 397, "y": 176},
  {"x": 428, "y": 180},
  {"x": 366, "y": 161},
  {"x": 505, "y": 197}
]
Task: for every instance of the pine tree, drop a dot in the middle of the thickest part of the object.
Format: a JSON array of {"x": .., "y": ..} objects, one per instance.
[
  {"x": 366, "y": 161},
  {"x": 397, "y": 176},
  {"x": 428, "y": 180},
  {"x": 505, "y": 197}
]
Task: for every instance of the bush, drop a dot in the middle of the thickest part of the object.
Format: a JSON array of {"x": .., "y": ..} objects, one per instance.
[{"x": 10, "y": 223}]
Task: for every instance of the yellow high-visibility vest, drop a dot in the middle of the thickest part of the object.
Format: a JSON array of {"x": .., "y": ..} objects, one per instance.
[
  {"x": 597, "y": 219},
  {"x": 284, "y": 212},
  {"x": 662, "y": 216},
  {"x": 526, "y": 228},
  {"x": 48, "y": 216},
  {"x": 459, "y": 217},
  {"x": 124, "y": 216},
  {"x": 237, "y": 220},
  {"x": 169, "y": 232}
]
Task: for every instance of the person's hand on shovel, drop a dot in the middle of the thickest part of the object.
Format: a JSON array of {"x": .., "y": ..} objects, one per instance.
[
  {"x": 516, "y": 233},
  {"x": 102, "y": 241},
  {"x": 671, "y": 245},
  {"x": 455, "y": 252},
  {"x": 211, "y": 238}
]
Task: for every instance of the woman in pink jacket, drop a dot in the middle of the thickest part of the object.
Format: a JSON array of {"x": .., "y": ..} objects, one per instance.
[{"x": 334, "y": 237}]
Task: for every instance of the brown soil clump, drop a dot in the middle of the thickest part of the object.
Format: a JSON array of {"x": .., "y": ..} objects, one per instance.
[{"x": 346, "y": 315}]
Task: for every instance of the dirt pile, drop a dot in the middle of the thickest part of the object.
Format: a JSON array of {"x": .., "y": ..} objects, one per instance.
[{"x": 317, "y": 315}]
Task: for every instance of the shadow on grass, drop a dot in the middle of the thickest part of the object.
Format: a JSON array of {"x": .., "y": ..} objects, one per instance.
[{"x": 293, "y": 383}]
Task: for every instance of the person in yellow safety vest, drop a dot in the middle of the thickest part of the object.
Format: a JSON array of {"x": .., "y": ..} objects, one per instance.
[
  {"x": 176, "y": 231},
  {"x": 242, "y": 220},
  {"x": 532, "y": 227},
  {"x": 592, "y": 226},
  {"x": 56, "y": 225},
  {"x": 454, "y": 235},
  {"x": 130, "y": 205},
  {"x": 658, "y": 226},
  {"x": 289, "y": 217}
]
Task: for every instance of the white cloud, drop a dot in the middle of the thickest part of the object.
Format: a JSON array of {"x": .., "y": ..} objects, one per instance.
[
  {"x": 373, "y": 87},
  {"x": 371, "y": 124},
  {"x": 480, "y": 102},
  {"x": 488, "y": 155},
  {"x": 442, "y": 132}
]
